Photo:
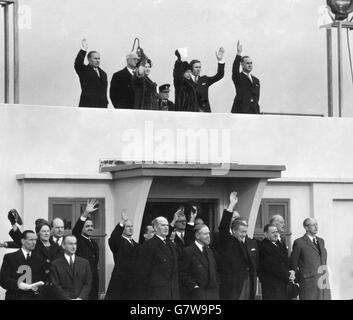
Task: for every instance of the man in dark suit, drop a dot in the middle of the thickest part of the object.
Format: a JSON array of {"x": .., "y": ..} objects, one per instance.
[
  {"x": 164, "y": 103},
  {"x": 157, "y": 266},
  {"x": 238, "y": 257},
  {"x": 202, "y": 83},
  {"x": 86, "y": 247},
  {"x": 182, "y": 230},
  {"x": 198, "y": 268},
  {"x": 22, "y": 272},
  {"x": 71, "y": 275},
  {"x": 309, "y": 261},
  {"x": 274, "y": 270},
  {"x": 246, "y": 85},
  {"x": 121, "y": 91},
  {"x": 93, "y": 79},
  {"x": 279, "y": 222},
  {"x": 122, "y": 284}
]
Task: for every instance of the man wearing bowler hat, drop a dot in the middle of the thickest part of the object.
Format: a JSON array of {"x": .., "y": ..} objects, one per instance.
[{"x": 164, "y": 103}]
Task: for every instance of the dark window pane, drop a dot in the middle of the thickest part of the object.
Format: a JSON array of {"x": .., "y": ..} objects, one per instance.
[
  {"x": 274, "y": 209},
  {"x": 259, "y": 223},
  {"x": 64, "y": 211}
]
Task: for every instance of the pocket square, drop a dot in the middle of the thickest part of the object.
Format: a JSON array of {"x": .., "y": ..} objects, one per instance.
[
  {"x": 253, "y": 249},
  {"x": 203, "y": 84}
]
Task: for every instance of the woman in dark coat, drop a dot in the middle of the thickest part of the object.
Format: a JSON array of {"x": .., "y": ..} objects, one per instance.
[
  {"x": 185, "y": 88},
  {"x": 144, "y": 88},
  {"x": 49, "y": 251}
]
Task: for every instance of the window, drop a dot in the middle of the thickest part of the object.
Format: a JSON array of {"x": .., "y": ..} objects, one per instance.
[
  {"x": 70, "y": 210},
  {"x": 269, "y": 208}
]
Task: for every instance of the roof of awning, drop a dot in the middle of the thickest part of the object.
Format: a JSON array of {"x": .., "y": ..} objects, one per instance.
[{"x": 121, "y": 170}]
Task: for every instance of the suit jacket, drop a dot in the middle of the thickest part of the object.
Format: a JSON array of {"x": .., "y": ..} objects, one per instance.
[
  {"x": 248, "y": 93},
  {"x": 121, "y": 91},
  {"x": 122, "y": 285},
  {"x": 89, "y": 250},
  {"x": 273, "y": 271},
  {"x": 197, "y": 268},
  {"x": 71, "y": 284},
  {"x": 236, "y": 261},
  {"x": 94, "y": 87},
  {"x": 185, "y": 90},
  {"x": 203, "y": 83},
  {"x": 309, "y": 262},
  {"x": 11, "y": 272},
  {"x": 157, "y": 270}
]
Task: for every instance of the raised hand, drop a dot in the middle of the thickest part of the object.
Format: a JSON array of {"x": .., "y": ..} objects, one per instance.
[
  {"x": 233, "y": 198},
  {"x": 220, "y": 54},
  {"x": 124, "y": 216},
  {"x": 84, "y": 44},
  {"x": 90, "y": 207},
  {"x": 177, "y": 53},
  {"x": 239, "y": 48},
  {"x": 193, "y": 214}
]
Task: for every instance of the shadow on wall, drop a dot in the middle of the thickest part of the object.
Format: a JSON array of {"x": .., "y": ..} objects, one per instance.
[{"x": 346, "y": 276}]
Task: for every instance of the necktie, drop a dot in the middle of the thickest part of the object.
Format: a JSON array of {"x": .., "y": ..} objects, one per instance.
[
  {"x": 131, "y": 242},
  {"x": 71, "y": 263},
  {"x": 28, "y": 257},
  {"x": 97, "y": 71},
  {"x": 317, "y": 245},
  {"x": 57, "y": 241}
]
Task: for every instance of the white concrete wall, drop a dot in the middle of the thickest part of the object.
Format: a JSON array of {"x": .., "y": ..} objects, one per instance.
[{"x": 282, "y": 36}]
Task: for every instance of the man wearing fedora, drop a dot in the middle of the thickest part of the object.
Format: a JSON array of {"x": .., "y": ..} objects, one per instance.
[{"x": 121, "y": 91}]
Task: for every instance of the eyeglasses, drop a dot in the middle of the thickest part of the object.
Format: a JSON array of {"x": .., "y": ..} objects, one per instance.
[{"x": 182, "y": 221}]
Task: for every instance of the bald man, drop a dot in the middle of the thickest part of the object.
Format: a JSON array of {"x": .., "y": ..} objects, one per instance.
[
  {"x": 309, "y": 260},
  {"x": 124, "y": 249},
  {"x": 58, "y": 229},
  {"x": 158, "y": 265}
]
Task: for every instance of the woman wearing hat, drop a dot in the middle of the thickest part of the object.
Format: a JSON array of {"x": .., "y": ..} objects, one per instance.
[
  {"x": 185, "y": 88},
  {"x": 49, "y": 251},
  {"x": 145, "y": 89}
]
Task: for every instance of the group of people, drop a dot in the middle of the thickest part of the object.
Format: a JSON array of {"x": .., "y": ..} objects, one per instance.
[
  {"x": 132, "y": 87},
  {"x": 176, "y": 260}
]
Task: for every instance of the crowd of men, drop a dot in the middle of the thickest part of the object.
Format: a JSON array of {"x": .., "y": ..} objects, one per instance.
[
  {"x": 176, "y": 260},
  {"x": 132, "y": 87}
]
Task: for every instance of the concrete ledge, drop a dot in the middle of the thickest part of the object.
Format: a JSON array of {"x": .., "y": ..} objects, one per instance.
[{"x": 47, "y": 176}]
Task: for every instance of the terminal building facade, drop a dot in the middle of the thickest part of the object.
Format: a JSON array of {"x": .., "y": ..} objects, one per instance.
[{"x": 54, "y": 159}]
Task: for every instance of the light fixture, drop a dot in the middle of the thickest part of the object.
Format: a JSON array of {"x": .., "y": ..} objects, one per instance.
[{"x": 340, "y": 8}]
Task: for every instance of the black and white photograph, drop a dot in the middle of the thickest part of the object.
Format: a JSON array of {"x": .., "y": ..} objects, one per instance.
[{"x": 189, "y": 151}]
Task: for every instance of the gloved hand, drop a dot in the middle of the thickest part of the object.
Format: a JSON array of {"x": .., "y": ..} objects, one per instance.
[
  {"x": 12, "y": 215},
  {"x": 24, "y": 286}
]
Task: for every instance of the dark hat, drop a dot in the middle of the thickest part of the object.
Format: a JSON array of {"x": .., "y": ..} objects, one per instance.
[
  {"x": 40, "y": 223},
  {"x": 164, "y": 87},
  {"x": 186, "y": 66}
]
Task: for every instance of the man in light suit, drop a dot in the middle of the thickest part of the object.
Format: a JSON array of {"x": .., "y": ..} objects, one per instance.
[
  {"x": 309, "y": 260},
  {"x": 247, "y": 86},
  {"x": 71, "y": 275},
  {"x": 198, "y": 268}
]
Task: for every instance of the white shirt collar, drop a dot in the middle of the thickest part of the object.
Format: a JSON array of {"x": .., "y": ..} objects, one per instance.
[
  {"x": 25, "y": 252},
  {"x": 60, "y": 240},
  {"x": 193, "y": 77},
  {"x": 200, "y": 246},
  {"x": 311, "y": 237},
  {"x": 180, "y": 233},
  {"x": 160, "y": 237},
  {"x": 128, "y": 239},
  {"x": 248, "y": 75},
  {"x": 131, "y": 70},
  {"x": 67, "y": 257}
]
